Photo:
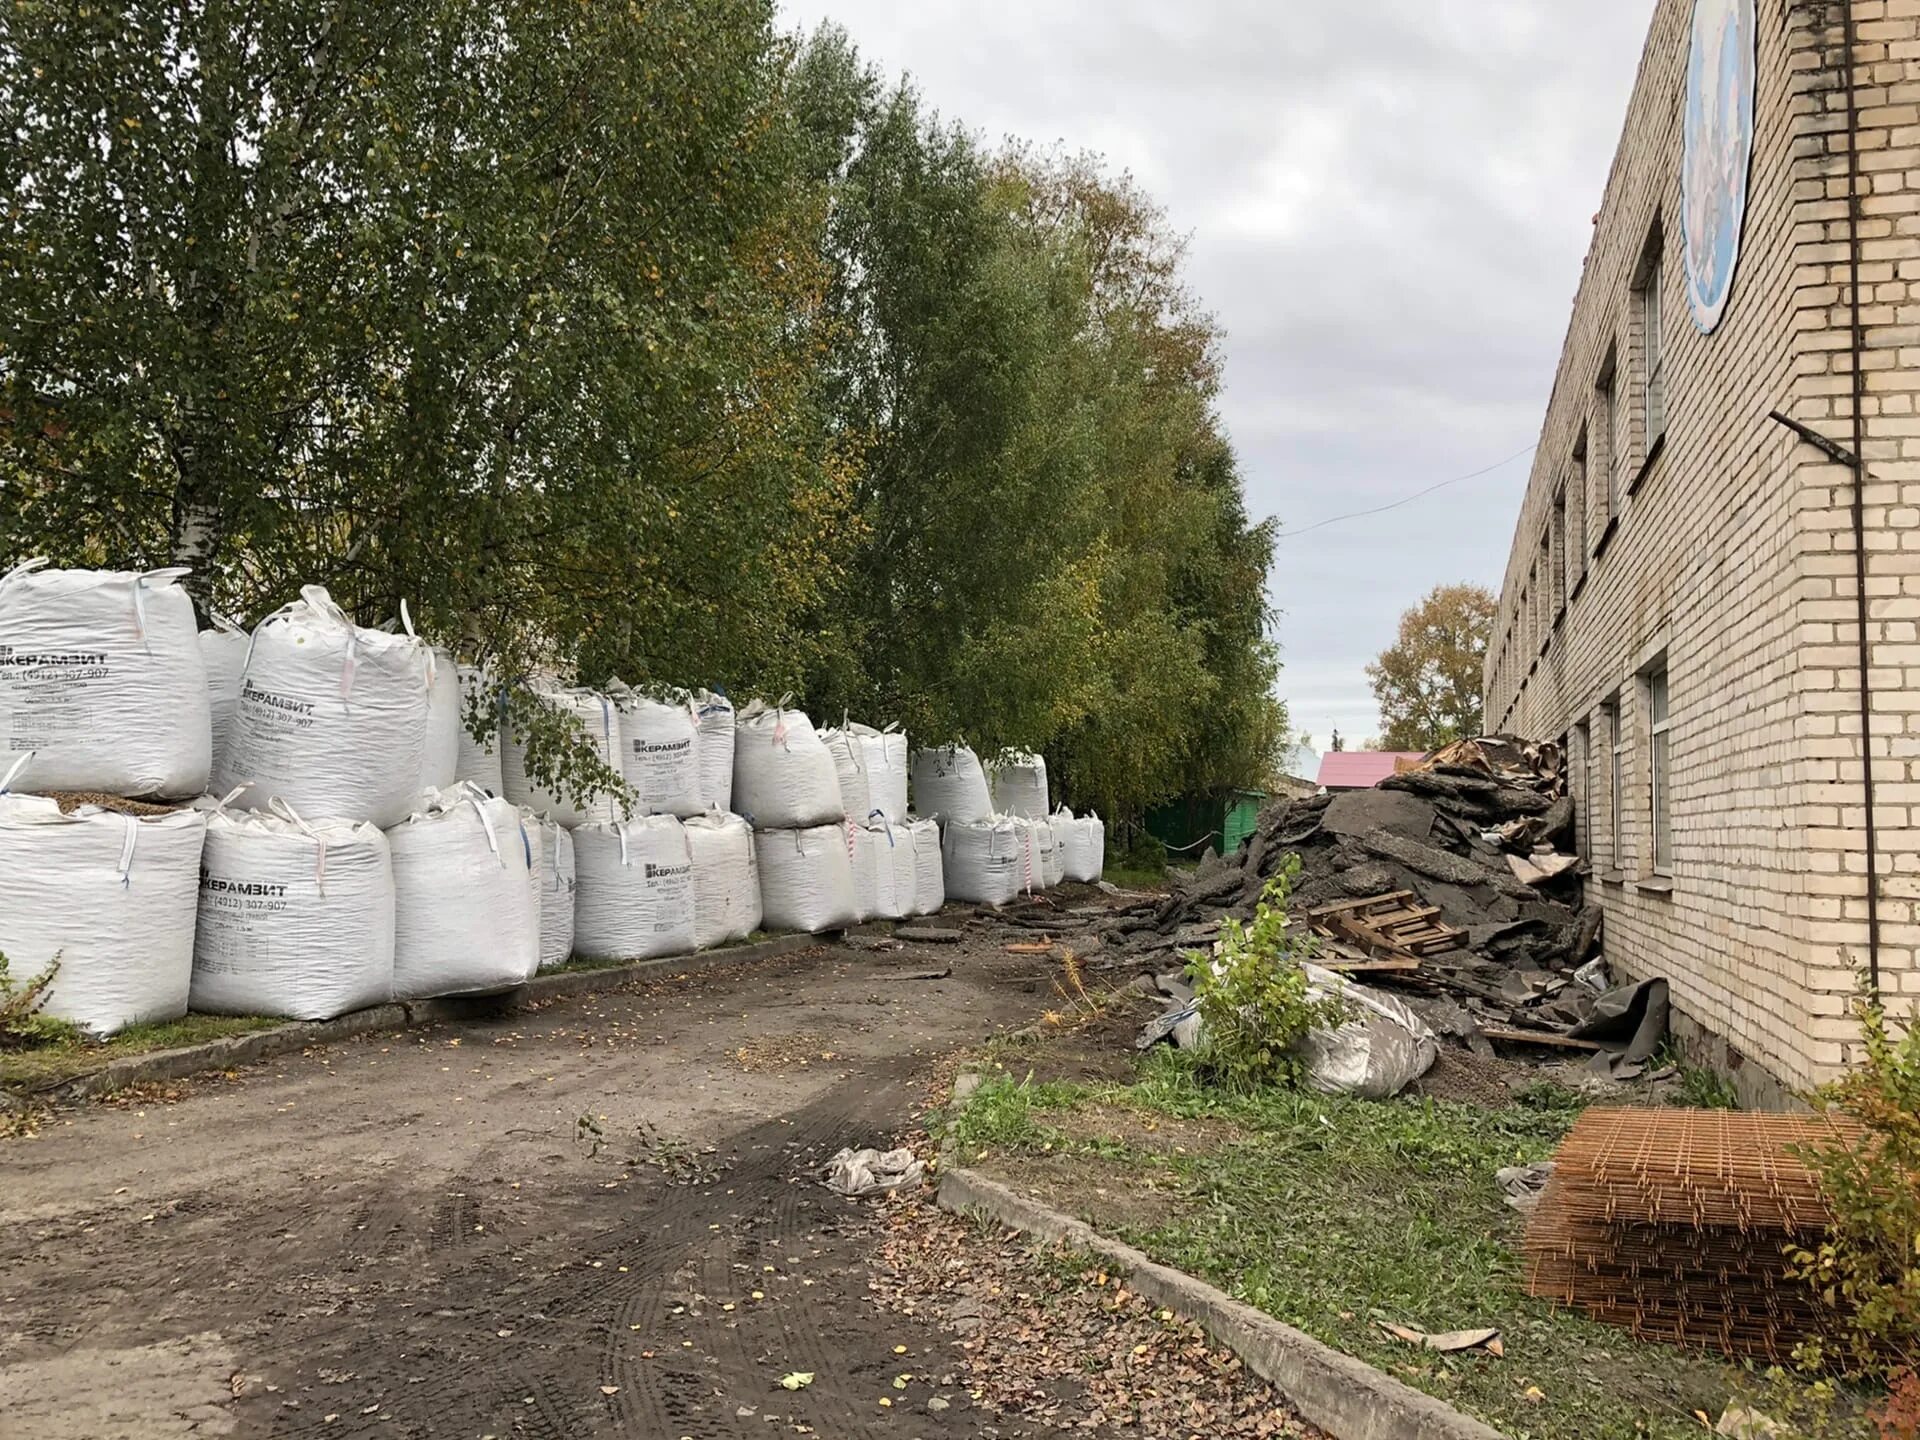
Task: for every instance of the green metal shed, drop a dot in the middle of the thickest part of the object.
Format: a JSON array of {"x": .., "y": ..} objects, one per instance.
[{"x": 1192, "y": 826}]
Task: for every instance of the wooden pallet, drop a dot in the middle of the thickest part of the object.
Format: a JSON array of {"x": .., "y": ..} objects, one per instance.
[{"x": 1395, "y": 926}]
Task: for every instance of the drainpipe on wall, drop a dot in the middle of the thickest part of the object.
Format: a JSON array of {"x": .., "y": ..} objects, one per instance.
[{"x": 1859, "y": 347}]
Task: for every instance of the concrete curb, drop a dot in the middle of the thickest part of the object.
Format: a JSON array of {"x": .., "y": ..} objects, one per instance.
[
  {"x": 230, "y": 1051},
  {"x": 1347, "y": 1398}
]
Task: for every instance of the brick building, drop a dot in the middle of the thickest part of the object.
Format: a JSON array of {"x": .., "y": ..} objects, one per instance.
[{"x": 1682, "y": 601}]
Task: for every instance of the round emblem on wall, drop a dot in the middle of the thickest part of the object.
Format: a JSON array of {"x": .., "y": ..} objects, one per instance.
[{"x": 1718, "y": 151}]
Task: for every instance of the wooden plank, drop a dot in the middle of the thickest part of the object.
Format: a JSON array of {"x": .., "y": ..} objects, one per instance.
[
  {"x": 1341, "y": 906},
  {"x": 1398, "y": 964},
  {"x": 1538, "y": 1037}
]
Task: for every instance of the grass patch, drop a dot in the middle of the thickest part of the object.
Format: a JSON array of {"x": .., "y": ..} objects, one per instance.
[
  {"x": 1136, "y": 877},
  {"x": 62, "y": 1059},
  {"x": 1334, "y": 1215}
]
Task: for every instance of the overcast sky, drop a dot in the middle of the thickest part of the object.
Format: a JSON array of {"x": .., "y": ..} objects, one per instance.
[{"x": 1387, "y": 204}]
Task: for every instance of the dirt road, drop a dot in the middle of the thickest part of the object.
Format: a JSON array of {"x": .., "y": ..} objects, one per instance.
[{"x": 597, "y": 1218}]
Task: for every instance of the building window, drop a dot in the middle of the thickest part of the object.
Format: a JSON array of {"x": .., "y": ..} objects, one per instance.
[
  {"x": 1616, "y": 785},
  {"x": 1606, "y": 416},
  {"x": 1559, "y": 554},
  {"x": 1659, "y": 769},
  {"x": 1581, "y": 763},
  {"x": 1653, "y": 381},
  {"x": 1576, "y": 494}
]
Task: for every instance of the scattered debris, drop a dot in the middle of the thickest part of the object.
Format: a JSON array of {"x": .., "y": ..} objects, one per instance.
[
  {"x": 942, "y": 973},
  {"x": 1741, "y": 1423},
  {"x": 798, "y": 1380},
  {"x": 1523, "y": 1184},
  {"x": 1448, "y": 1342},
  {"x": 1675, "y": 1224},
  {"x": 872, "y": 1172},
  {"x": 929, "y": 935}
]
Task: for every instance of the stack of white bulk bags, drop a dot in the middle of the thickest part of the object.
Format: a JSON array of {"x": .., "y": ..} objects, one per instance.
[
  {"x": 466, "y": 914},
  {"x": 1020, "y": 785},
  {"x": 635, "y": 895},
  {"x": 806, "y": 878},
  {"x": 948, "y": 784},
  {"x": 332, "y": 716},
  {"x": 872, "y": 768},
  {"x": 983, "y": 860},
  {"x": 598, "y": 725},
  {"x": 659, "y": 754},
  {"x": 929, "y": 883},
  {"x": 477, "y": 762},
  {"x": 440, "y": 759},
  {"x": 110, "y": 896},
  {"x": 102, "y": 679},
  {"x": 223, "y": 650},
  {"x": 296, "y": 917},
  {"x": 1083, "y": 847},
  {"x": 726, "y": 892},
  {"x": 715, "y": 749},
  {"x": 883, "y": 872},
  {"x": 783, "y": 777},
  {"x": 557, "y": 886}
]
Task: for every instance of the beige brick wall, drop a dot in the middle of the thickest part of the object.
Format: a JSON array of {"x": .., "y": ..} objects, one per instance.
[{"x": 1730, "y": 549}]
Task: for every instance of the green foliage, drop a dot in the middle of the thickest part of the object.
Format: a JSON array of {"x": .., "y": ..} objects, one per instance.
[
  {"x": 22, "y": 1025},
  {"x": 1253, "y": 997},
  {"x": 1427, "y": 683},
  {"x": 1869, "y": 1262}
]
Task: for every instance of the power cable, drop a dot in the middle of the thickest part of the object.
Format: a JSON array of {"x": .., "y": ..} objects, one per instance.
[{"x": 1408, "y": 499}]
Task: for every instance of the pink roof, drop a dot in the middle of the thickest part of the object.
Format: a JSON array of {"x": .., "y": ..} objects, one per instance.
[{"x": 1362, "y": 769}]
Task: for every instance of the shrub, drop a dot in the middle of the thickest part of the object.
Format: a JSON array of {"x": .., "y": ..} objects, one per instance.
[
  {"x": 21, "y": 1023},
  {"x": 1253, "y": 996},
  {"x": 1869, "y": 1263}
]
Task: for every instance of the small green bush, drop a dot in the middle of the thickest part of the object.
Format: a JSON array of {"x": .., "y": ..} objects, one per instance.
[
  {"x": 22, "y": 1026},
  {"x": 1253, "y": 997},
  {"x": 1869, "y": 1263}
]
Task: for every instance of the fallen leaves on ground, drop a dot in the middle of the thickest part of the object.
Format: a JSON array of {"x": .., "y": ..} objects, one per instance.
[{"x": 1059, "y": 1344}]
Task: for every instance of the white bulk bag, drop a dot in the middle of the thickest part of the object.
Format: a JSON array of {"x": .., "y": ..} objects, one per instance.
[
  {"x": 806, "y": 878},
  {"x": 715, "y": 749},
  {"x": 557, "y": 886},
  {"x": 112, "y": 896},
  {"x": 659, "y": 753},
  {"x": 635, "y": 889},
  {"x": 882, "y": 888},
  {"x": 726, "y": 892},
  {"x": 983, "y": 860},
  {"x": 295, "y": 918},
  {"x": 599, "y": 728},
  {"x": 1031, "y": 878},
  {"x": 783, "y": 777},
  {"x": 223, "y": 650},
  {"x": 477, "y": 762},
  {"x": 1083, "y": 844},
  {"x": 948, "y": 784},
  {"x": 929, "y": 883},
  {"x": 872, "y": 769},
  {"x": 332, "y": 716},
  {"x": 101, "y": 678},
  {"x": 1049, "y": 860},
  {"x": 1020, "y": 785},
  {"x": 440, "y": 759},
  {"x": 466, "y": 918}
]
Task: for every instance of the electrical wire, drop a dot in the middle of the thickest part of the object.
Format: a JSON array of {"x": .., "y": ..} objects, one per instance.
[{"x": 1408, "y": 499}]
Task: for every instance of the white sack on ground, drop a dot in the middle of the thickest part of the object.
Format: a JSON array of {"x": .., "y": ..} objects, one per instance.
[
  {"x": 1083, "y": 845},
  {"x": 466, "y": 918},
  {"x": 599, "y": 727},
  {"x": 223, "y": 650},
  {"x": 929, "y": 882},
  {"x": 726, "y": 892},
  {"x": 715, "y": 750},
  {"x": 635, "y": 894},
  {"x": 332, "y": 716},
  {"x": 1380, "y": 1050},
  {"x": 1020, "y": 785},
  {"x": 806, "y": 878},
  {"x": 783, "y": 777},
  {"x": 878, "y": 889},
  {"x": 112, "y": 896},
  {"x": 659, "y": 753},
  {"x": 1050, "y": 863},
  {"x": 478, "y": 761},
  {"x": 982, "y": 861},
  {"x": 872, "y": 768},
  {"x": 440, "y": 757},
  {"x": 102, "y": 679},
  {"x": 295, "y": 917},
  {"x": 948, "y": 784},
  {"x": 557, "y": 886},
  {"x": 906, "y": 871},
  {"x": 1028, "y": 831}
]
